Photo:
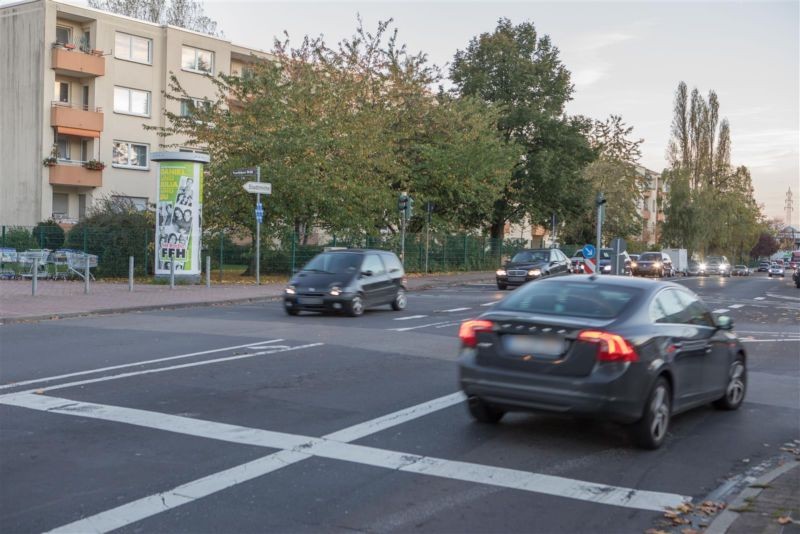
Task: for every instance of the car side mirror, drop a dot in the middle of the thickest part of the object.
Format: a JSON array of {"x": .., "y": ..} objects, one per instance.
[
  {"x": 724, "y": 322},
  {"x": 366, "y": 273}
]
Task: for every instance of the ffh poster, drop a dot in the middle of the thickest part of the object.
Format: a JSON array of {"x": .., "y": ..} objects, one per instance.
[{"x": 178, "y": 217}]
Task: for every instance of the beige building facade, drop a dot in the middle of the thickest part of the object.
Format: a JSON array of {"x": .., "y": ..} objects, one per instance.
[
  {"x": 651, "y": 206},
  {"x": 78, "y": 87}
]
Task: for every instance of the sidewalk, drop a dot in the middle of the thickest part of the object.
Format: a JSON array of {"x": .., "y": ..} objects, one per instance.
[{"x": 58, "y": 299}]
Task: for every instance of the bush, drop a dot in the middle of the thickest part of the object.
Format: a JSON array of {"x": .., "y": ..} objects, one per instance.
[
  {"x": 49, "y": 235},
  {"x": 19, "y": 238}
]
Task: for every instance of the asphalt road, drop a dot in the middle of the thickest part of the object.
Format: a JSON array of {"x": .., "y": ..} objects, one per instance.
[{"x": 241, "y": 419}]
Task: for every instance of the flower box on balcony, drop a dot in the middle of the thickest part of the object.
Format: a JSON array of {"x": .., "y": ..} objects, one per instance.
[{"x": 94, "y": 165}]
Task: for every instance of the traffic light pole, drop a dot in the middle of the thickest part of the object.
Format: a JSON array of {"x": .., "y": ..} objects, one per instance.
[
  {"x": 403, "y": 239},
  {"x": 600, "y": 202},
  {"x": 258, "y": 231}
]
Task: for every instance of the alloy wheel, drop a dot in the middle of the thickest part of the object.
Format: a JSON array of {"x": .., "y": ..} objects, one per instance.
[
  {"x": 400, "y": 300},
  {"x": 735, "y": 390},
  {"x": 357, "y": 305},
  {"x": 659, "y": 408}
]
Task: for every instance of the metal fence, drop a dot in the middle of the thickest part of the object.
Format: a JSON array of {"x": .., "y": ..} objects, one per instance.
[{"x": 231, "y": 255}]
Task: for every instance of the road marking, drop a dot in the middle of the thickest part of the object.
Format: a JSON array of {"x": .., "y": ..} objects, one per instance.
[
  {"x": 134, "y": 364},
  {"x": 490, "y": 303},
  {"x": 787, "y": 340},
  {"x": 326, "y": 447},
  {"x": 406, "y": 329},
  {"x": 736, "y": 306},
  {"x": 760, "y": 298},
  {"x": 721, "y": 310},
  {"x": 408, "y": 318},
  {"x": 782, "y": 297},
  {"x": 273, "y": 350},
  {"x": 445, "y": 325},
  {"x": 455, "y": 310}
]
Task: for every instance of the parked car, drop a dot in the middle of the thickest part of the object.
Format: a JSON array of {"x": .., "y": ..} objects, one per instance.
[
  {"x": 349, "y": 281},
  {"x": 606, "y": 264},
  {"x": 654, "y": 264},
  {"x": 776, "y": 269},
  {"x": 634, "y": 258},
  {"x": 624, "y": 349},
  {"x": 763, "y": 266},
  {"x": 796, "y": 278},
  {"x": 718, "y": 265},
  {"x": 740, "y": 270},
  {"x": 532, "y": 264}
]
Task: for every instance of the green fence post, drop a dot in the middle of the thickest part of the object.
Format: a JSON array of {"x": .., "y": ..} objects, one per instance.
[
  {"x": 293, "y": 253},
  {"x": 334, "y": 240},
  {"x": 41, "y": 237},
  {"x": 465, "y": 251},
  {"x": 146, "y": 252},
  {"x": 221, "y": 252},
  {"x": 4, "y": 236}
]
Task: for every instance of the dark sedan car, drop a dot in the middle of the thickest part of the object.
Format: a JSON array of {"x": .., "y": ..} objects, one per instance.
[
  {"x": 623, "y": 349},
  {"x": 531, "y": 264},
  {"x": 654, "y": 264},
  {"x": 349, "y": 281}
]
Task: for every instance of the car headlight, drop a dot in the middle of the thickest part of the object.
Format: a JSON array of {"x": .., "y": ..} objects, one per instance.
[
  {"x": 606, "y": 268},
  {"x": 723, "y": 267},
  {"x": 336, "y": 291},
  {"x": 534, "y": 272},
  {"x": 657, "y": 264},
  {"x": 290, "y": 290},
  {"x": 500, "y": 272},
  {"x": 633, "y": 265},
  {"x": 703, "y": 266}
]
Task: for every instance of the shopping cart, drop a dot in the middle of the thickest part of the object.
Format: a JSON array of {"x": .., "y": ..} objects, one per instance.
[
  {"x": 58, "y": 259},
  {"x": 76, "y": 263},
  {"x": 27, "y": 259},
  {"x": 8, "y": 258}
]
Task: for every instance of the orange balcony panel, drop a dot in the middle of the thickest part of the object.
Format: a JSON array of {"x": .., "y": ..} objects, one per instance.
[
  {"x": 74, "y": 117},
  {"x": 77, "y": 63},
  {"x": 75, "y": 175}
]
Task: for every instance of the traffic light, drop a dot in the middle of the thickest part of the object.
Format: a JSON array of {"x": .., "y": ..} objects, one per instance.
[
  {"x": 600, "y": 200},
  {"x": 402, "y": 202},
  {"x": 409, "y": 207}
]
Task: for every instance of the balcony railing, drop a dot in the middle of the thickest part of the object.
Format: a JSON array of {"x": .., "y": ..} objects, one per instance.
[
  {"x": 69, "y": 115},
  {"x": 73, "y": 61},
  {"x": 73, "y": 173}
]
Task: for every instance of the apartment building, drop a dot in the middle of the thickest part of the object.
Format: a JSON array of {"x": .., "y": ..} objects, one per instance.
[
  {"x": 77, "y": 86},
  {"x": 651, "y": 207}
]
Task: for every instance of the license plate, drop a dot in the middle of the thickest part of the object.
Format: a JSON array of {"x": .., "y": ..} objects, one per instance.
[
  {"x": 545, "y": 346},
  {"x": 310, "y": 301},
  {"x": 516, "y": 278}
]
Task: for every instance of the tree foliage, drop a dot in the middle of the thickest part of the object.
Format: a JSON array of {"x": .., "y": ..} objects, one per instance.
[
  {"x": 519, "y": 71},
  {"x": 765, "y": 247},
  {"x": 187, "y": 14}
]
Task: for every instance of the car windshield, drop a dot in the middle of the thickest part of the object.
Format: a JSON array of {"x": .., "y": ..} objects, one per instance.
[
  {"x": 334, "y": 263},
  {"x": 531, "y": 255},
  {"x": 652, "y": 256},
  {"x": 605, "y": 254},
  {"x": 575, "y": 299},
  {"x": 714, "y": 259},
  {"x": 741, "y": 267}
]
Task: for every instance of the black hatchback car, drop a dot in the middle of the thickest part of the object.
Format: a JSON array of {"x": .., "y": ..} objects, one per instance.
[
  {"x": 624, "y": 349},
  {"x": 349, "y": 281},
  {"x": 531, "y": 264}
]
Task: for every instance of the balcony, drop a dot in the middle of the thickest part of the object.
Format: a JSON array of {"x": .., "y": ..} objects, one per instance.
[
  {"x": 78, "y": 63},
  {"x": 65, "y": 115},
  {"x": 73, "y": 173}
]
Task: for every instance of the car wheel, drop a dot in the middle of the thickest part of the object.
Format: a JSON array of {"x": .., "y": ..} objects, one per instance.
[
  {"x": 400, "y": 301},
  {"x": 502, "y": 287},
  {"x": 651, "y": 430},
  {"x": 736, "y": 388},
  {"x": 291, "y": 311},
  {"x": 484, "y": 412},
  {"x": 356, "y": 307}
]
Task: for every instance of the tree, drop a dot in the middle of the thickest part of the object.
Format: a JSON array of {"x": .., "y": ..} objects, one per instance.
[
  {"x": 765, "y": 247},
  {"x": 519, "y": 71},
  {"x": 187, "y": 14}
]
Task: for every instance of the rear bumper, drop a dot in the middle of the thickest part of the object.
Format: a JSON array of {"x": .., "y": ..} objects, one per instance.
[{"x": 612, "y": 392}]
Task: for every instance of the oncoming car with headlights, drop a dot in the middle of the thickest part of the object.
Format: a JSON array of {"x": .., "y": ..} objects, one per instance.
[
  {"x": 347, "y": 281},
  {"x": 531, "y": 264}
]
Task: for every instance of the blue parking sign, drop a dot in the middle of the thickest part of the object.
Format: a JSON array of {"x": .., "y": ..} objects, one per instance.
[{"x": 588, "y": 251}]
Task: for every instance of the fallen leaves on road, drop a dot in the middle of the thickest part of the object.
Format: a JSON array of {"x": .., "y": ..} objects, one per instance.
[
  {"x": 711, "y": 507},
  {"x": 690, "y": 531},
  {"x": 785, "y": 520},
  {"x": 655, "y": 531}
]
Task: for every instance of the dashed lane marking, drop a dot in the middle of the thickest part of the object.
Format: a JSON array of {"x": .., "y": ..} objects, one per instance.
[
  {"x": 760, "y": 298},
  {"x": 721, "y": 310},
  {"x": 406, "y": 329},
  {"x": 796, "y": 299},
  {"x": 409, "y": 317},
  {"x": 258, "y": 344},
  {"x": 490, "y": 303},
  {"x": 295, "y": 448},
  {"x": 736, "y": 306},
  {"x": 455, "y": 310}
]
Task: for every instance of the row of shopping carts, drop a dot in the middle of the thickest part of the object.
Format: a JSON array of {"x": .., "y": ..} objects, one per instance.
[{"x": 62, "y": 264}]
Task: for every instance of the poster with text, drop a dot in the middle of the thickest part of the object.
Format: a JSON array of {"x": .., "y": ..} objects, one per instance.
[{"x": 179, "y": 217}]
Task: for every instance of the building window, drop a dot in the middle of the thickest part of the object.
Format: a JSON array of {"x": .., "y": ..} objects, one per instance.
[
  {"x": 63, "y": 148},
  {"x": 81, "y": 206},
  {"x": 189, "y": 106},
  {"x": 131, "y": 101},
  {"x": 129, "y": 155},
  {"x": 86, "y": 153},
  {"x": 197, "y": 60},
  {"x": 126, "y": 202},
  {"x": 60, "y": 205},
  {"x": 62, "y": 92},
  {"x": 133, "y": 48},
  {"x": 63, "y": 34}
]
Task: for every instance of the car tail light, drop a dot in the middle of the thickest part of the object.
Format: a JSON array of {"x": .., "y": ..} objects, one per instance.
[
  {"x": 468, "y": 332},
  {"x": 610, "y": 347}
]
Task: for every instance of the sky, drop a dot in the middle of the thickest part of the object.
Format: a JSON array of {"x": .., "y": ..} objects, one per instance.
[{"x": 626, "y": 58}]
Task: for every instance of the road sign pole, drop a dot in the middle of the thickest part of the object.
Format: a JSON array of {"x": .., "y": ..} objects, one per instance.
[
  {"x": 258, "y": 231},
  {"x": 403, "y": 239},
  {"x": 600, "y": 202}
]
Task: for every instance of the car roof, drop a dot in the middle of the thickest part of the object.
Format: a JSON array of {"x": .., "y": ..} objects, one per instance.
[
  {"x": 535, "y": 250},
  {"x": 359, "y": 251}
]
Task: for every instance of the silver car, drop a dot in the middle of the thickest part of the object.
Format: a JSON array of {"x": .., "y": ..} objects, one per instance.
[{"x": 776, "y": 269}]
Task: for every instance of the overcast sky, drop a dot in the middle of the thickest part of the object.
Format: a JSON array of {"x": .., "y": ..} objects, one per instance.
[{"x": 626, "y": 58}]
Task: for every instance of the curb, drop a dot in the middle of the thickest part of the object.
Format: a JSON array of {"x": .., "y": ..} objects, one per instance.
[
  {"x": 723, "y": 521},
  {"x": 180, "y": 305}
]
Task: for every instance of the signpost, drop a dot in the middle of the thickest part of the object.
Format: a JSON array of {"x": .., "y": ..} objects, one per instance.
[
  {"x": 589, "y": 259},
  {"x": 619, "y": 246},
  {"x": 258, "y": 189}
]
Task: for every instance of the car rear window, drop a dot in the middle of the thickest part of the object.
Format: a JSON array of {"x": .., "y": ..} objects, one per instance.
[{"x": 574, "y": 299}]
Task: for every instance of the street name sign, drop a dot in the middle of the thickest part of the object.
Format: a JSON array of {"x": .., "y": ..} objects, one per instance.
[
  {"x": 264, "y": 188},
  {"x": 247, "y": 172}
]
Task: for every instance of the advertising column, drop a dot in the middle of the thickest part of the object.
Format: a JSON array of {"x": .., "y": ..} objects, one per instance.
[{"x": 179, "y": 213}]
